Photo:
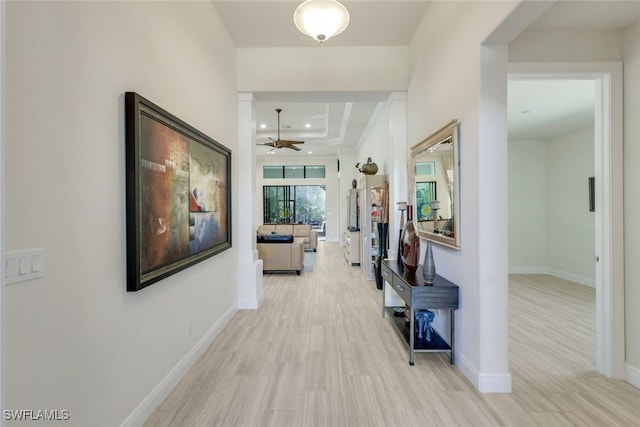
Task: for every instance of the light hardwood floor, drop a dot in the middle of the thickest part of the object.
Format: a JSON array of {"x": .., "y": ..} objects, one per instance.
[{"x": 318, "y": 353}]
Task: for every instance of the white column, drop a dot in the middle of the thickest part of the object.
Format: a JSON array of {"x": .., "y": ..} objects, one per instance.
[
  {"x": 493, "y": 237},
  {"x": 399, "y": 152},
  {"x": 250, "y": 292}
]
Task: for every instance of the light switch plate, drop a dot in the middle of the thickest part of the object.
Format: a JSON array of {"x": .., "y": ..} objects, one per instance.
[{"x": 20, "y": 266}]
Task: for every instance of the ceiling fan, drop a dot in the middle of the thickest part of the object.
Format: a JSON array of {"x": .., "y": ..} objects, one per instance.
[{"x": 281, "y": 143}]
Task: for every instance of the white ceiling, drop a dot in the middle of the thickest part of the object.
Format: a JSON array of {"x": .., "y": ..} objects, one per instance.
[
  {"x": 267, "y": 23},
  {"x": 543, "y": 109},
  {"x": 338, "y": 120}
]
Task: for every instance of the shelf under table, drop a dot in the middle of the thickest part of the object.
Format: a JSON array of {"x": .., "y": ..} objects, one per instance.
[{"x": 437, "y": 343}]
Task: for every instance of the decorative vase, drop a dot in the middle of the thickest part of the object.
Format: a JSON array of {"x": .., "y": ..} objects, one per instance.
[
  {"x": 428, "y": 266},
  {"x": 402, "y": 206},
  {"x": 369, "y": 168},
  {"x": 383, "y": 228},
  {"x": 410, "y": 244}
]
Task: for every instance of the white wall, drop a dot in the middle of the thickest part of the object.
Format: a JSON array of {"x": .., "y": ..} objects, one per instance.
[
  {"x": 344, "y": 69},
  {"x": 385, "y": 141},
  {"x": 446, "y": 82},
  {"x": 76, "y": 339},
  {"x": 632, "y": 199},
  {"x": 528, "y": 213},
  {"x": 375, "y": 144},
  {"x": 571, "y": 227},
  {"x": 551, "y": 230},
  {"x": 347, "y": 174},
  {"x": 566, "y": 45}
]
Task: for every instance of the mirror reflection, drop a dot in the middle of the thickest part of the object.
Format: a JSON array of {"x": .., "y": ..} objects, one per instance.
[{"x": 435, "y": 182}]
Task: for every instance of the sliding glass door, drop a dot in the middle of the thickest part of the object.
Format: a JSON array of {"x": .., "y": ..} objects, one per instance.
[{"x": 303, "y": 204}]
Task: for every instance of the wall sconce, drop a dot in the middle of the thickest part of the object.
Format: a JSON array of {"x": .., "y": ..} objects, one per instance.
[{"x": 321, "y": 19}]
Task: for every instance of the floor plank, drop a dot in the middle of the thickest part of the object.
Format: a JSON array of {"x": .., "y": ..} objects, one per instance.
[{"x": 293, "y": 363}]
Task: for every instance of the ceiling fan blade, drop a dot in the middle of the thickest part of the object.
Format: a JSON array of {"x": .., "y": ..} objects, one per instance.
[
  {"x": 273, "y": 139},
  {"x": 269, "y": 144},
  {"x": 285, "y": 142},
  {"x": 293, "y": 147}
]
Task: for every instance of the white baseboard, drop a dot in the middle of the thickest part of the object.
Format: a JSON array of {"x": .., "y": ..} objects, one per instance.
[
  {"x": 632, "y": 375},
  {"x": 528, "y": 270},
  {"x": 495, "y": 383},
  {"x": 467, "y": 369},
  {"x": 484, "y": 383},
  {"x": 250, "y": 290},
  {"x": 251, "y": 303},
  {"x": 582, "y": 280},
  {"x": 144, "y": 410},
  {"x": 587, "y": 281}
]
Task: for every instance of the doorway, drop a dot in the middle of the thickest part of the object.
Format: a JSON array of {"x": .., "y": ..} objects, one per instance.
[{"x": 608, "y": 256}]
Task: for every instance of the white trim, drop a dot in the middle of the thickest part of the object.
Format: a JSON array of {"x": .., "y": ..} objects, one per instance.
[
  {"x": 467, "y": 369},
  {"x": 484, "y": 383},
  {"x": 581, "y": 280},
  {"x": 146, "y": 407},
  {"x": 632, "y": 375},
  {"x": 494, "y": 383},
  {"x": 528, "y": 270},
  {"x": 610, "y": 346},
  {"x": 248, "y": 304}
]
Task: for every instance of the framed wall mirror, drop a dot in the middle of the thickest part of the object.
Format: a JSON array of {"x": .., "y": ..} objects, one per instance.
[{"x": 434, "y": 186}]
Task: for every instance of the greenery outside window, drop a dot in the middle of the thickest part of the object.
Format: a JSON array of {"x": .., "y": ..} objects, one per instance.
[{"x": 303, "y": 204}]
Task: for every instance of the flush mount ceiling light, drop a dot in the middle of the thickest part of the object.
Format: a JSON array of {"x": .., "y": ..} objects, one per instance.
[{"x": 321, "y": 19}]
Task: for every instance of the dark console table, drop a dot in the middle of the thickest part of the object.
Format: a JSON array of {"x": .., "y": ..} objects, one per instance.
[{"x": 441, "y": 295}]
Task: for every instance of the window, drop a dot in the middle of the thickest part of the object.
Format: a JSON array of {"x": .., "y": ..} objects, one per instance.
[
  {"x": 296, "y": 172},
  {"x": 272, "y": 172},
  {"x": 426, "y": 168},
  {"x": 314, "y": 172},
  {"x": 294, "y": 204}
]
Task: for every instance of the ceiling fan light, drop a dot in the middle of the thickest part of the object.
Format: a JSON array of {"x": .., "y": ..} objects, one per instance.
[{"x": 321, "y": 19}]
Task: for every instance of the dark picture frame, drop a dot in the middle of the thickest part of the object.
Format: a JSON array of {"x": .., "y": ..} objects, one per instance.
[{"x": 178, "y": 194}]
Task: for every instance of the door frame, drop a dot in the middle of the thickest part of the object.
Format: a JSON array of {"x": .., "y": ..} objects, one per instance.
[{"x": 609, "y": 250}]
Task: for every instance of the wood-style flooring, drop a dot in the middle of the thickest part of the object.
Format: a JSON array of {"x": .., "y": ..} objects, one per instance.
[{"x": 318, "y": 353}]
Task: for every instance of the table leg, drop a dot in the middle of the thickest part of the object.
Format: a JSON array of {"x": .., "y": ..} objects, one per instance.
[
  {"x": 411, "y": 336},
  {"x": 452, "y": 336},
  {"x": 384, "y": 289}
]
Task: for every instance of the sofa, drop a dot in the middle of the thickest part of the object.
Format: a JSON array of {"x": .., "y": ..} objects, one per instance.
[
  {"x": 281, "y": 253},
  {"x": 303, "y": 231}
]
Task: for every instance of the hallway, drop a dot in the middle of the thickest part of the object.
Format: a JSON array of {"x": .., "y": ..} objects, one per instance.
[{"x": 318, "y": 353}]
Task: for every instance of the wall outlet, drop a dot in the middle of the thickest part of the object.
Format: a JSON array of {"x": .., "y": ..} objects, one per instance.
[{"x": 21, "y": 266}]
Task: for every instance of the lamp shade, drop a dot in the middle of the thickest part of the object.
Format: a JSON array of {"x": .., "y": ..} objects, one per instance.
[{"x": 321, "y": 19}]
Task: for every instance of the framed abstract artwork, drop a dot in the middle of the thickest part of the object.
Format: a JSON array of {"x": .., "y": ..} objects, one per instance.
[{"x": 178, "y": 194}]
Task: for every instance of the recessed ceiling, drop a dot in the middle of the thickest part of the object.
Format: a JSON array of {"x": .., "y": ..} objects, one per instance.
[{"x": 325, "y": 122}]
